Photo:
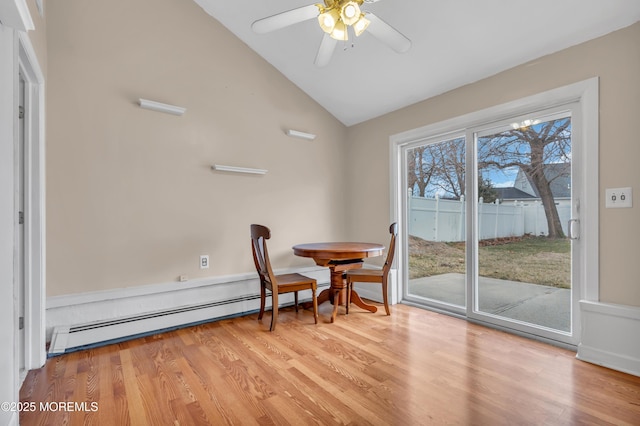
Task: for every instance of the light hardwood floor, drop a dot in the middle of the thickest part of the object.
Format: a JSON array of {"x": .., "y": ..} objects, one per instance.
[{"x": 413, "y": 368}]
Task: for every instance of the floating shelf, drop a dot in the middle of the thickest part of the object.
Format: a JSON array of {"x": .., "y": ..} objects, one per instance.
[
  {"x": 300, "y": 135},
  {"x": 158, "y": 106},
  {"x": 234, "y": 169}
]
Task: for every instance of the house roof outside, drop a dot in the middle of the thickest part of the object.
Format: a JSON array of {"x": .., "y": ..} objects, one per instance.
[
  {"x": 559, "y": 174},
  {"x": 511, "y": 193}
]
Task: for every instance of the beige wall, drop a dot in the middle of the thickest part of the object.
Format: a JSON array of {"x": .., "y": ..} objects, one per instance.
[
  {"x": 615, "y": 58},
  {"x": 131, "y": 198}
]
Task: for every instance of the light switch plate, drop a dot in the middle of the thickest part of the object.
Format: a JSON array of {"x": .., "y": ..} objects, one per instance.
[{"x": 618, "y": 198}]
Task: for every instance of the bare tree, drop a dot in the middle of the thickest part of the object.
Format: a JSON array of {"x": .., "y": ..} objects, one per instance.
[
  {"x": 438, "y": 168},
  {"x": 532, "y": 148},
  {"x": 449, "y": 160},
  {"x": 420, "y": 170}
]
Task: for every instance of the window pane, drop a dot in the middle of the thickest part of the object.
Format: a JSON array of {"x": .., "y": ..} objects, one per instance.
[
  {"x": 524, "y": 207},
  {"x": 436, "y": 210}
]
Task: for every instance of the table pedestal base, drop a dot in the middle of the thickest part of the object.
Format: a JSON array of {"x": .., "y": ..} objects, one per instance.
[
  {"x": 339, "y": 257},
  {"x": 337, "y": 293}
]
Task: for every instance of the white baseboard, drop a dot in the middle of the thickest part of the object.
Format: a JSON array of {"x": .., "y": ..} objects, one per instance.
[
  {"x": 80, "y": 320},
  {"x": 610, "y": 336}
]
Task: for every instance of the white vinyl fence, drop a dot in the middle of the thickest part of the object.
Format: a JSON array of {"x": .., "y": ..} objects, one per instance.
[{"x": 434, "y": 219}]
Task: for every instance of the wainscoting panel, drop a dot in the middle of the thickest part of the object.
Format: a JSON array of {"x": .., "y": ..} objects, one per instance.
[
  {"x": 83, "y": 320},
  {"x": 610, "y": 336}
]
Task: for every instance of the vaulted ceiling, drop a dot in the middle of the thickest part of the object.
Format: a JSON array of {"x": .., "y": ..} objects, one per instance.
[{"x": 454, "y": 42}]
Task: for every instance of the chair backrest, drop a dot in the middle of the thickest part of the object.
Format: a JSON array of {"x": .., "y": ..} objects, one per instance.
[
  {"x": 393, "y": 230},
  {"x": 259, "y": 236}
]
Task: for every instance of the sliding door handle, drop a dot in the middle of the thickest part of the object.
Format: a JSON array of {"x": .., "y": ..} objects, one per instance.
[{"x": 574, "y": 235}]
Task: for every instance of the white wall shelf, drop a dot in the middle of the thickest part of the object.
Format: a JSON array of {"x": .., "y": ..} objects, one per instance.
[
  {"x": 159, "y": 106},
  {"x": 234, "y": 169}
]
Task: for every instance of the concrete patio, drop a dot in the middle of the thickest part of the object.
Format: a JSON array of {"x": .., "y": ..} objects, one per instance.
[{"x": 532, "y": 303}]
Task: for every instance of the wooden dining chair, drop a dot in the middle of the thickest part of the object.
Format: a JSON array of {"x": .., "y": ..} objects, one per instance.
[
  {"x": 277, "y": 284},
  {"x": 381, "y": 276}
]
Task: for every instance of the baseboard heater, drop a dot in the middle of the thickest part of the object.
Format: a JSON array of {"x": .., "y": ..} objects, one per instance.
[{"x": 67, "y": 339}]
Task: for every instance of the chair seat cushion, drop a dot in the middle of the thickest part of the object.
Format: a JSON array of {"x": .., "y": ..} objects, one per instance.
[
  {"x": 293, "y": 278},
  {"x": 355, "y": 273},
  {"x": 294, "y": 282},
  {"x": 366, "y": 276}
]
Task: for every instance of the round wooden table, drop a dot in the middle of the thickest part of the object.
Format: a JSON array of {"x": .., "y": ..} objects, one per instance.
[{"x": 339, "y": 257}]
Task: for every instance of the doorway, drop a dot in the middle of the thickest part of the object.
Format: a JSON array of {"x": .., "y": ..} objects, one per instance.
[
  {"x": 523, "y": 249},
  {"x": 29, "y": 206},
  {"x": 493, "y": 207}
]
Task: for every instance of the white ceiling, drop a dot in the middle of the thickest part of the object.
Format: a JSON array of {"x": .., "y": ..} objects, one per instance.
[{"x": 454, "y": 42}]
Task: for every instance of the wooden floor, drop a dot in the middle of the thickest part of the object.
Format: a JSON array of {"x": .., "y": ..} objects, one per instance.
[{"x": 413, "y": 368}]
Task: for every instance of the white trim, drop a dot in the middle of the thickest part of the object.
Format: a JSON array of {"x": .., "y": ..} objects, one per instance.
[
  {"x": 9, "y": 365},
  {"x": 40, "y": 7},
  {"x": 35, "y": 216},
  {"x": 68, "y": 300},
  {"x": 610, "y": 336},
  {"x": 228, "y": 295},
  {"x": 590, "y": 105},
  {"x": 15, "y": 14},
  {"x": 586, "y": 89}
]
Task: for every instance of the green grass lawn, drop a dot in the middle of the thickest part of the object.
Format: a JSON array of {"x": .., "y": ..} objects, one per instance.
[{"x": 537, "y": 260}]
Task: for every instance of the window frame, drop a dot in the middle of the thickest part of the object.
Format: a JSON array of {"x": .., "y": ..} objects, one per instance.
[{"x": 585, "y": 95}]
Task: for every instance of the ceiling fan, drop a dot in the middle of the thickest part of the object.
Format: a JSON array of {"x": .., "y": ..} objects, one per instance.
[{"x": 335, "y": 18}]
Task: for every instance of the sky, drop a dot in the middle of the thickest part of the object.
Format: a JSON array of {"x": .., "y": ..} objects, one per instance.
[{"x": 502, "y": 178}]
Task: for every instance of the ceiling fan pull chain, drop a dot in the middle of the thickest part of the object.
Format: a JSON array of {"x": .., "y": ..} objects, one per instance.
[{"x": 352, "y": 38}]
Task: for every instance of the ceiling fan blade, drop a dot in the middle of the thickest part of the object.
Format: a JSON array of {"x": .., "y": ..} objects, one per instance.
[
  {"x": 284, "y": 19},
  {"x": 325, "y": 51},
  {"x": 387, "y": 34}
]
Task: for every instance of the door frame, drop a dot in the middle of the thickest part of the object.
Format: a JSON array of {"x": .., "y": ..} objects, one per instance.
[
  {"x": 473, "y": 312},
  {"x": 34, "y": 208},
  {"x": 585, "y": 94}
]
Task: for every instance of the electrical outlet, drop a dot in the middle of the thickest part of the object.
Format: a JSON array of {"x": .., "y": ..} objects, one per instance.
[
  {"x": 204, "y": 261},
  {"x": 183, "y": 278},
  {"x": 616, "y": 198}
]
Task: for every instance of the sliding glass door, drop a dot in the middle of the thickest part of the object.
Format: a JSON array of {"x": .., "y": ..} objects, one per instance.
[
  {"x": 491, "y": 223},
  {"x": 523, "y": 211},
  {"x": 436, "y": 187}
]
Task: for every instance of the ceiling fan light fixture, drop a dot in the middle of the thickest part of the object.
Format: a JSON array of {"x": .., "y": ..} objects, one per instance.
[
  {"x": 334, "y": 18},
  {"x": 350, "y": 12},
  {"x": 340, "y": 32},
  {"x": 361, "y": 25},
  {"x": 328, "y": 20}
]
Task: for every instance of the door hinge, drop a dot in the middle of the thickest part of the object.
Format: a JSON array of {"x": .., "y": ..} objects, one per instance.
[
  {"x": 20, "y": 218},
  {"x": 20, "y": 323},
  {"x": 20, "y": 112}
]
